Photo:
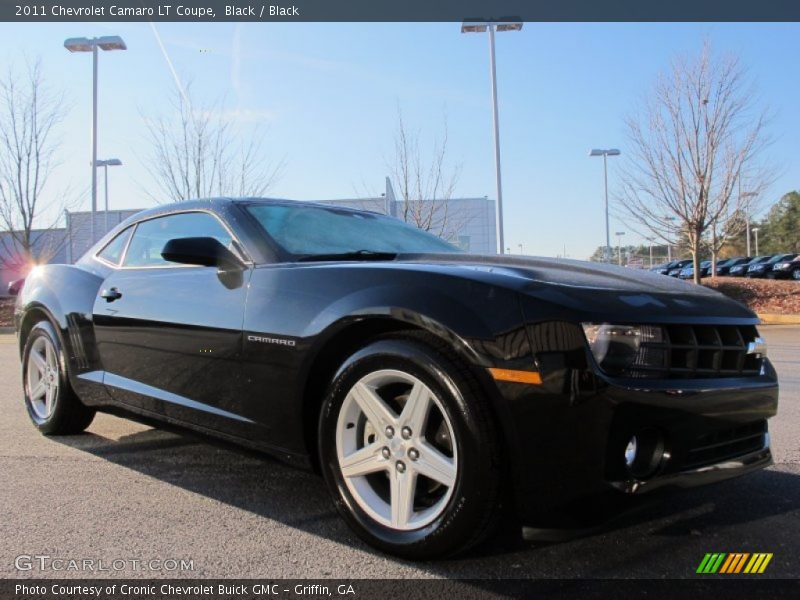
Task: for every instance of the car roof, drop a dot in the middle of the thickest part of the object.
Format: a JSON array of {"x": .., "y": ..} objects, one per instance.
[{"x": 220, "y": 203}]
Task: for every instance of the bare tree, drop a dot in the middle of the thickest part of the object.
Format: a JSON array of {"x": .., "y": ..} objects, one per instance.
[
  {"x": 425, "y": 184},
  {"x": 697, "y": 132},
  {"x": 198, "y": 153},
  {"x": 29, "y": 115}
]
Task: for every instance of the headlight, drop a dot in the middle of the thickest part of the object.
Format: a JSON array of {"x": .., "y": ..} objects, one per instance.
[{"x": 614, "y": 346}]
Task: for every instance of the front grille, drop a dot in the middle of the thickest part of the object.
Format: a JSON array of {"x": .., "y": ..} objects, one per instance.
[
  {"x": 712, "y": 448},
  {"x": 695, "y": 352}
]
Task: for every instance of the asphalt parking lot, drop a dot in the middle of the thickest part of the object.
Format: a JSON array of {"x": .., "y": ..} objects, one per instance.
[{"x": 126, "y": 491}]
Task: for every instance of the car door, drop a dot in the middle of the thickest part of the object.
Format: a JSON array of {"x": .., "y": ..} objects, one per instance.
[{"x": 169, "y": 336}]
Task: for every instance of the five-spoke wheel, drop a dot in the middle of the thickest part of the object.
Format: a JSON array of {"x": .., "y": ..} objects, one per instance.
[
  {"x": 396, "y": 451},
  {"x": 408, "y": 448},
  {"x": 43, "y": 377},
  {"x": 52, "y": 404}
]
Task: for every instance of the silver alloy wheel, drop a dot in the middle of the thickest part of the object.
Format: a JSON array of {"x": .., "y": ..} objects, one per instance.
[
  {"x": 42, "y": 377},
  {"x": 405, "y": 476}
]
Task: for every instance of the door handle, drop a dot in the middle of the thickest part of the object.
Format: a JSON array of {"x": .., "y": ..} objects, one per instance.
[{"x": 111, "y": 294}]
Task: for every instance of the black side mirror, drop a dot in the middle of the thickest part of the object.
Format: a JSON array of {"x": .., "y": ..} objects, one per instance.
[
  {"x": 15, "y": 287},
  {"x": 202, "y": 251}
]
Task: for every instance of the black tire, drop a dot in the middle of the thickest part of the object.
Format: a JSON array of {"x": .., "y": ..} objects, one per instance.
[
  {"x": 473, "y": 509},
  {"x": 68, "y": 414}
]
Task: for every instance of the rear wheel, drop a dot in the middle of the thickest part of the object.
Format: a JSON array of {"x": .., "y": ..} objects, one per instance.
[
  {"x": 52, "y": 405},
  {"x": 408, "y": 449}
]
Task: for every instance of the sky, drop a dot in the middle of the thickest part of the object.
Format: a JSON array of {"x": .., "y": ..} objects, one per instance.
[{"x": 326, "y": 97}]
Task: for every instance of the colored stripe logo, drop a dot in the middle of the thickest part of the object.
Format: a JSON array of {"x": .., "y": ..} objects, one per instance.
[{"x": 734, "y": 563}]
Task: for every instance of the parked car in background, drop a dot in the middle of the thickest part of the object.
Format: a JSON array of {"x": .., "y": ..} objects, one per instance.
[
  {"x": 787, "y": 269},
  {"x": 741, "y": 269},
  {"x": 761, "y": 269},
  {"x": 664, "y": 268},
  {"x": 675, "y": 270},
  {"x": 688, "y": 271},
  {"x": 724, "y": 267}
]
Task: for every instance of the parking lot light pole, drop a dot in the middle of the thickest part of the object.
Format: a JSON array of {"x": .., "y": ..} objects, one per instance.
[
  {"x": 82, "y": 44},
  {"x": 605, "y": 154},
  {"x": 111, "y": 162},
  {"x": 619, "y": 235},
  {"x": 745, "y": 196},
  {"x": 481, "y": 26},
  {"x": 755, "y": 233}
]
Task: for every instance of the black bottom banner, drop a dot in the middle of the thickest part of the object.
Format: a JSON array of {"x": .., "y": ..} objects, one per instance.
[{"x": 440, "y": 589}]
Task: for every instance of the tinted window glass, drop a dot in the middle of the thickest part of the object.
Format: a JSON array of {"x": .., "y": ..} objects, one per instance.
[
  {"x": 113, "y": 251},
  {"x": 310, "y": 230},
  {"x": 151, "y": 236}
]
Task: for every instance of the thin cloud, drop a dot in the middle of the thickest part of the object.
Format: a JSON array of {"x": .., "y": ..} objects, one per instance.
[{"x": 171, "y": 66}]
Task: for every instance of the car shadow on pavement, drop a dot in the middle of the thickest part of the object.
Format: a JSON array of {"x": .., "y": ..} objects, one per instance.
[{"x": 267, "y": 487}]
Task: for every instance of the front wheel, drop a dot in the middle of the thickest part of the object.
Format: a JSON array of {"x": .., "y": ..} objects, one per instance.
[
  {"x": 409, "y": 450},
  {"x": 52, "y": 404}
]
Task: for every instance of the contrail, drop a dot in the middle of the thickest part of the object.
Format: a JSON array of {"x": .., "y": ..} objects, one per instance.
[{"x": 171, "y": 66}]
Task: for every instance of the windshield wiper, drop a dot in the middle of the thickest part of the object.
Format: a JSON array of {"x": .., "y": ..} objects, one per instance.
[{"x": 354, "y": 255}]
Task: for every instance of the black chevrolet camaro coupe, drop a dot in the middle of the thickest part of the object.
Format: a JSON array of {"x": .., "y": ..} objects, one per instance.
[{"x": 433, "y": 389}]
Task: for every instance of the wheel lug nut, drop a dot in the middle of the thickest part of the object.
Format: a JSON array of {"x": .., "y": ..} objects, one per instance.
[
  {"x": 401, "y": 466},
  {"x": 413, "y": 453},
  {"x": 389, "y": 431},
  {"x": 385, "y": 452},
  {"x": 406, "y": 433}
]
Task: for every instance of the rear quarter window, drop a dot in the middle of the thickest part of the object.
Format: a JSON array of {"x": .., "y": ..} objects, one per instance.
[{"x": 112, "y": 253}]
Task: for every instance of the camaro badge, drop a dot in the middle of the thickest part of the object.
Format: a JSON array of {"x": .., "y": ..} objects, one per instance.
[
  {"x": 734, "y": 563},
  {"x": 271, "y": 340}
]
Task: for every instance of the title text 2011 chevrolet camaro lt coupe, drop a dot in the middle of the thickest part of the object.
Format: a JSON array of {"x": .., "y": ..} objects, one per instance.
[{"x": 430, "y": 387}]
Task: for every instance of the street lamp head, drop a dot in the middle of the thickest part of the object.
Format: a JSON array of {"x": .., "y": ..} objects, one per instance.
[
  {"x": 476, "y": 26},
  {"x": 509, "y": 25},
  {"x": 106, "y": 42},
  {"x": 80, "y": 44},
  {"x": 600, "y": 152},
  {"x": 620, "y": 233},
  {"x": 613, "y": 152},
  {"x": 111, "y": 162},
  {"x": 481, "y": 25},
  {"x": 755, "y": 229},
  {"x": 111, "y": 42}
]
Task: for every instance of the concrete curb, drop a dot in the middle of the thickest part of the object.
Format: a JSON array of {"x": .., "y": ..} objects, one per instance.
[{"x": 770, "y": 319}]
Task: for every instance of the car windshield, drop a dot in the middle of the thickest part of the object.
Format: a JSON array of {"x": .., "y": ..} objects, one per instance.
[
  {"x": 313, "y": 230},
  {"x": 779, "y": 257},
  {"x": 758, "y": 259}
]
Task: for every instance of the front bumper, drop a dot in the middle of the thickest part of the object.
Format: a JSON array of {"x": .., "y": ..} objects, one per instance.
[
  {"x": 568, "y": 435},
  {"x": 733, "y": 467}
]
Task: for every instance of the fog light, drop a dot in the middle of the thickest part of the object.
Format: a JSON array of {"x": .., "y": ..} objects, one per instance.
[
  {"x": 630, "y": 452},
  {"x": 645, "y": 453}
]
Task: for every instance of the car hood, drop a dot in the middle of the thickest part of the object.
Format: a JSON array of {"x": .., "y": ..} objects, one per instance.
[
  {"x": 592, "y": 287},
  {"x": 563, "y": 272}
]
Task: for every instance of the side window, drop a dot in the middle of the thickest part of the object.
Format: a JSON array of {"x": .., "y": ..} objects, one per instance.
[
  {"x": 112, "y": 253},
  {"x": 151, "y": 236}
]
